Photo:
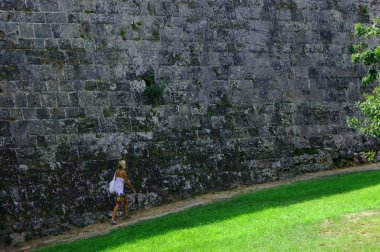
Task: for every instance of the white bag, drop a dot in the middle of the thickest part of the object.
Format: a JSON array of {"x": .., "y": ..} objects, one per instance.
[{"x": 111, "y": 186}]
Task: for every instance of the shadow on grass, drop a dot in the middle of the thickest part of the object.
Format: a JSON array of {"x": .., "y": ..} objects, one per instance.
[{"x": 243, "y": 204}]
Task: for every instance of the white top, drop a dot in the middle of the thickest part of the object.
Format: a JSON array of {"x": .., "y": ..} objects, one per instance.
[{"x": 119, "y": 185}]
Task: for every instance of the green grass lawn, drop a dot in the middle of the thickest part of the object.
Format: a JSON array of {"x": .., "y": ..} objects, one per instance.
[{"x": 340, "y": 213}]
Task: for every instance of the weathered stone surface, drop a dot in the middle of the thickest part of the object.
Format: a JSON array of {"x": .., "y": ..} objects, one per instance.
[{"x": 255, "y": 91}]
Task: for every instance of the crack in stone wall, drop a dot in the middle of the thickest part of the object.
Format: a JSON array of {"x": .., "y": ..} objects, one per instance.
[{"x": 256, "y": 91}]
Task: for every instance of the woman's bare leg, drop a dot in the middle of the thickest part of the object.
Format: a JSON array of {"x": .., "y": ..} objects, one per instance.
[{"x": 115, "y": 211}]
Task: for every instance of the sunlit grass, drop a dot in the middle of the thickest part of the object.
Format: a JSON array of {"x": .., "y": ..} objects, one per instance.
[{"x": 287, "y": 218}]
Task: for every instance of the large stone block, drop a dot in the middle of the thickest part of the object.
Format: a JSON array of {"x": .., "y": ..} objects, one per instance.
[
  {"x": 9, "y": 72},
  {"x": 5, "y": 129},
  {"x": 63, "y": 100},
  {"x": 26, "y": 30},
  {"x": 34, "y": 100},
  {"x": 43, "y": 31},
  {"x": 49, "y": 5},
  {"x": 56, "y": 17},
  {"x": 28, "y": 114},
  {"x": 69, "y": 31},
  {"x": 49, "y": 100},
  {"x": 20, "y": 100},
  {"x": 6, "y": 101},
  {"x": 12, "y": 5},
  {"x": 74, "y": 112},
  {"x": 8, "y": 156}
]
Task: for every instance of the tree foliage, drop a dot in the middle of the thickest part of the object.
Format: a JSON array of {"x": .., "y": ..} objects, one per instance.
[{"x": 367, "y": 51}]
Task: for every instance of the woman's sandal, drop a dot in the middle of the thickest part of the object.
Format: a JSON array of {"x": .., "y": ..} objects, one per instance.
[{"x": 113, "y": 222}]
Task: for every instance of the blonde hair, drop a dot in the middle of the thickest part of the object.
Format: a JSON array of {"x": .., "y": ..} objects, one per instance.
[{"x": 121, "y": 164}]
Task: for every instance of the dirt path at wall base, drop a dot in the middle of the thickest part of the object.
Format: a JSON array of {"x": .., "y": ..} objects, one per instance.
[{"x": 142, "y": 215}]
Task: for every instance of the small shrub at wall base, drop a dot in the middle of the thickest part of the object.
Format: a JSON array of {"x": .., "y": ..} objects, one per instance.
[{"x": 370, "y": 155}]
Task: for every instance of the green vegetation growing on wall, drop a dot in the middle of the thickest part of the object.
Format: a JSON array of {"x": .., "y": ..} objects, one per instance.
[
  {"x": 123, "y": 33},
  {"x": 156, "y": 34},
  {"x": 287, "y": 5},
  {"x": 136, "y": 25},
  {"x": 85, "y": 30},
  {"x": 154, "y": 90}
]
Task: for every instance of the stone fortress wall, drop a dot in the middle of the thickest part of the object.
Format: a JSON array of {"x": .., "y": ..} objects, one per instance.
[{"x": 256, "y": 90}]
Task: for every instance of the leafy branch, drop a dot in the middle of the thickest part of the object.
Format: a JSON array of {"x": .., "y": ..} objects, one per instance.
[{"x": 367, "y": 51}]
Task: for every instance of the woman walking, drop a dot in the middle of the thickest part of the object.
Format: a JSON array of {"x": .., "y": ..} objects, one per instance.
[{"x": 121, "y": 178}]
